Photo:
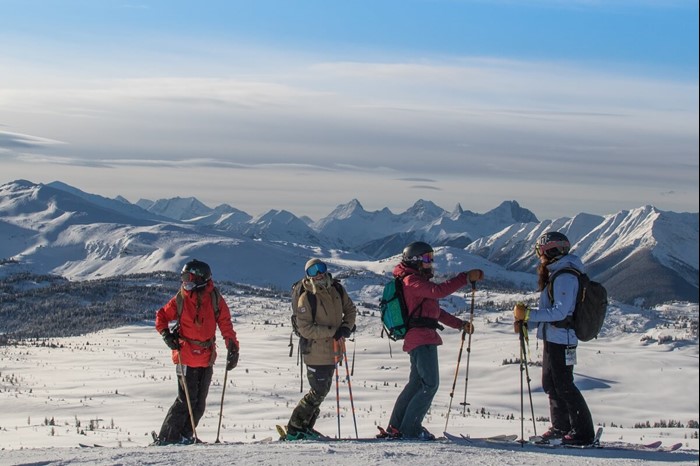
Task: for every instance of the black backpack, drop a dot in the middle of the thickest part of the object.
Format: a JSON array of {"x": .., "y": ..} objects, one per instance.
[{"x": 591, "y": 305}]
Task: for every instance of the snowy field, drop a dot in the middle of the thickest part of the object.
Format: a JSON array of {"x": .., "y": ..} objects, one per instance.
[{"x": 114, "y": 387}]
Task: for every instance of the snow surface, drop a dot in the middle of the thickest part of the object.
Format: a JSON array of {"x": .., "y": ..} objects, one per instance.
[{"x": 123, "y": 381}]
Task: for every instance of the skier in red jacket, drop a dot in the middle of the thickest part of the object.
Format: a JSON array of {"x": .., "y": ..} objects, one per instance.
[{"x": 188, "y": 324}]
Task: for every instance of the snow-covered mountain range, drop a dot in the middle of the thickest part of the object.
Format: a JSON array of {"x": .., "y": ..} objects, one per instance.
[{"x": 643, "y": 255}]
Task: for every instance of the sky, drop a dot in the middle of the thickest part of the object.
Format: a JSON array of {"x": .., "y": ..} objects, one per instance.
[
  {"x": 564, "y": 106},
  {"x": 125, "y": 378}
]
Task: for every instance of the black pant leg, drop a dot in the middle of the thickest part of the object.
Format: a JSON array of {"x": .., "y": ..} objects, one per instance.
[{"x": 567, "y": 405}]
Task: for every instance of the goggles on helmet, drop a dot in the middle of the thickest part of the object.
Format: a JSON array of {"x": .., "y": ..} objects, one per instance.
[
  {"x": 317, "y": 268},
  {"x": 541, "y": 249},
  {"x": 427, "y": 258},
  {"x": 190, "y": 280}
]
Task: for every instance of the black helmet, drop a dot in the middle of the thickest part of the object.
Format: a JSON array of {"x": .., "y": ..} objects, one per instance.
[
  {"x": 195, "y": 275},
  {"x": 413, "y": 253},
  {"x": 552, "y": 245}
]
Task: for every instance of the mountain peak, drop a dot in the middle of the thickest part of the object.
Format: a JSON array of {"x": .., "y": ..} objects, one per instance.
[
  {"x": 423, "y": 209},
  {"x": 347, "y": 210}
]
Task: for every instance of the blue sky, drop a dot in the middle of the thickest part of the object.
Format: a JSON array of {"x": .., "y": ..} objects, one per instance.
[{"x": 564, "y": 106}]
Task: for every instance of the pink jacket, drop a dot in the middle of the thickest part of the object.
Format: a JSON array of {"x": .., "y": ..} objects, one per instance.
[{"x": 418, "y": 289}]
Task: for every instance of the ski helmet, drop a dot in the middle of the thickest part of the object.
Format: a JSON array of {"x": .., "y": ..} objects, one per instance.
[
  {"x": 195, "y": 275},
  {"x": 552, "y": 245},
  {"x": 414, "y": 252}
]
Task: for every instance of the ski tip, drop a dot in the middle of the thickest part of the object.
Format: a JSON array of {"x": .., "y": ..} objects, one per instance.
[{"x": 675, "y": 446}]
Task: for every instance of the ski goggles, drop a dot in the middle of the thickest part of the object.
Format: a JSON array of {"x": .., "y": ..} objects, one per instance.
[
  {"x": 427, "y": 258},
  {"x": 190, "y": 280},
  {"x": 541, "y": 249},
  {"x": 316, "y": 269},
  {"x": 538, "y": 250}
]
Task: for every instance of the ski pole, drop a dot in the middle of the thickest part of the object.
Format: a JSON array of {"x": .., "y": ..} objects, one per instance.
[
  {"x": 183, "y": 381},
  {"x": 347, "y": 371},
  {"x": 522, "y": 410},
  {"x": 523, "y": 337},
  {"x": 454, "y": 382},
  {"x": 469, "y": 352},
  {"x": 300, "y": 361},
  {"x": 354, "y": 347},
  {"x": 221, "y": 408},
  {"x": 337, "y": 389}
]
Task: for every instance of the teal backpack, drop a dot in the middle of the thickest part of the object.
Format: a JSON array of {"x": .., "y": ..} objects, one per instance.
[
  {"x": 396, "y": 318},
  {"x": 393, "y": 310}
]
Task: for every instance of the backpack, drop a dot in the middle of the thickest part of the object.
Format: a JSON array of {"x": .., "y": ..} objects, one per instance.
[
  {"x": 396, "y": 318},
  {"x": 215, "y": 295},
  {"x": 297, "y": 290},
  {"x": 394, "y": 311},
  {"x": 591, "y": 306}
]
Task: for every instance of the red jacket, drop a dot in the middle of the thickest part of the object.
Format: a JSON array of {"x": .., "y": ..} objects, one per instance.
[
  {"x": 418, "y": 289},
  {"x": 197, "y": 326}
]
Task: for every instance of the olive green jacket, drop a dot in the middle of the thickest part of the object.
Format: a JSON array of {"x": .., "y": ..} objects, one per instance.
[{"x": 333, "y": 310}]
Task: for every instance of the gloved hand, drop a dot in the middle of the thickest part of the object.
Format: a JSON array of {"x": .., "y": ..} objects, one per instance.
[
  {"x": 342, "y": 332},
  {"x": 475, "y": 275},
  {"x": 172, "y": 339},
  {"x": 519, "y": 326},
  {"x": 468, "y": 327},
  {"x": 521, "y": 311},
  {"x": 232, "y": 356}
]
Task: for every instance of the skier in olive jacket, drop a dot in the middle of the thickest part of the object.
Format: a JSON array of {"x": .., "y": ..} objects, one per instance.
[{"x": 335, "y": 321}]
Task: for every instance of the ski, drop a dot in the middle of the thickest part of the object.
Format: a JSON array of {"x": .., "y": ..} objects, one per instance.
[
  {"x": 513, "y": 441},
  {"x": 674, "y": 447},
  {"x": 158, "y": 443},
  {"x": 325, "y": 439},
  {"x": 467, "y": 440},
  {"x": 594, "y": 444},
  {"x": 94, "y": 445}
]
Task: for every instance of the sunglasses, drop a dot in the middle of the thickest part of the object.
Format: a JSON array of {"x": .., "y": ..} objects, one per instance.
[{"x": 316, "y": 269}]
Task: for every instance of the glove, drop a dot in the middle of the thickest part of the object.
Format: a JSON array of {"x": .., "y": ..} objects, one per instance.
[
  {"x": 519, "y": 326},
  {"x": 232, "y": 356},
  {"x": 521, "y": 311},
  {"x": 342, "y": 332},
  {"x": 475, "y": 275},
  {"x": 468, "y": 327},
  {"x": 172, "y": 339}
]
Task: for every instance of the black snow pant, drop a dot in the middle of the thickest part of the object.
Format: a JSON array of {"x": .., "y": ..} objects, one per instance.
[
  {"x": 177, "y": 422},
  {"x": 567, "y": 407},
  {"x": 307, "y": 410}
]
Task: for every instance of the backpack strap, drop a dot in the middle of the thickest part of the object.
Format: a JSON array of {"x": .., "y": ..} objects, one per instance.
[
  {"x": 568, "y": 321},
  {"x": 419, "y": 320},
  {"x": 312, "y": 298},
  {"x": 312, "y": 302},
  {"x": 215, "y": 295},
  {"x": 180, "y": 302}
]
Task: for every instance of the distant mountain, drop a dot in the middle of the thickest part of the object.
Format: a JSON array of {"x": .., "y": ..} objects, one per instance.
[
  {"x": 380, "y": 233},
  {"x": 119, "y": 204},
  {"x": 643, "y": 255}
]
